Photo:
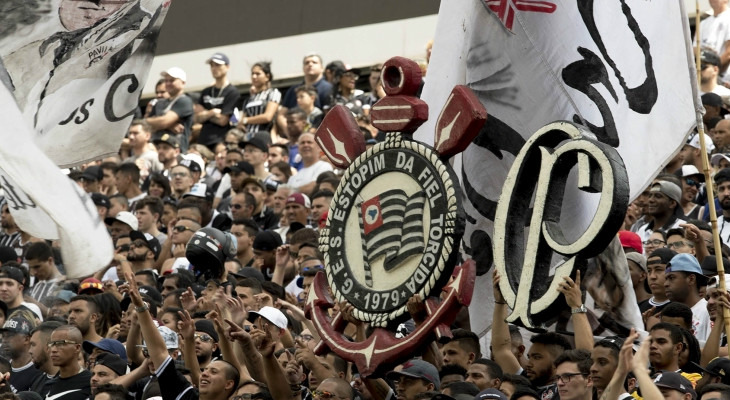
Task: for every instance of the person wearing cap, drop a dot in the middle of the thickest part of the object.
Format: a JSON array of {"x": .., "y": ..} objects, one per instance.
[
  {"x": 691, "y": 179},
  {"x": 72, "y": 382},
  {"x": 710, "y": 73},
  {"x": 682, "y": 282},
  {"x": 305, "y": 180},
  {"x": 639, "y": 276},
  {"x": 127, "y": 177},
  {"x": 38, "y": 351},
  {"x": 168, "y": 150},
  {"x": 717, "y": 371},
  {"x": 59, "y": 303},
  {"x": 206, "y": 342},
  {"x": 124, "y": 223},
  {"x": 84, "y": 313},
  {"x": 106, "y": 368},
  {"x": 261, "y": 214},
  {"x": 174, "y": 114},
  {"x": 90, "y": 178},
  {"x": 691, "y": 151},
  {"x": 297, "y": 208},
  {"x": 674, "y": 386},
  {"x": 416, "y": 376},
  {"x": 264, "y": 249},
  {"x": 142, "y": 154},
  {"x": 256, "y": 152},
  {"x": 102, "y": 203},
  {"x": 216, "y": 104},
  {"x": 42, "y": 266},
  {"x": 11, "y": 289},
  {"x": 143, "y": 251},
  {"x": 656, "y": 265},
  {"x": 345, "y": 93},
  {"x": 148, "y": 212},
  {"x": 16, "y": 346},
  {"x": 663, "y": 207}
]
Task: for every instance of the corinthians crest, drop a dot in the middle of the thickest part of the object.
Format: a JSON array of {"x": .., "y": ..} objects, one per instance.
[{"x": 396, "y": 220}]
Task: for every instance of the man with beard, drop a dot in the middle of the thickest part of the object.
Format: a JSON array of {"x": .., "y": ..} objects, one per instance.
[
  {"x": 107, "y": 367},
  {"x": 168, "y": 148},
  {"x": 83, "y": 314},
  {"x": 39, "y": 338},
  {"x": 664, "y": 207},
  {"x": 16, "y": 344},
  {"x": 682, "y": 282},
  {"x": 722, "y": 183},
  {"x": 143, "y": 251}
]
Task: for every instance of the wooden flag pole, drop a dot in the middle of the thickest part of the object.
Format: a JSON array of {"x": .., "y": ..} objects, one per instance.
[{"x": 708, "y": 179}]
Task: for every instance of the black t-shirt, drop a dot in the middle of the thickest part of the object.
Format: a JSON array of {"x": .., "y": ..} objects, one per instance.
[
  {"x": 176, "y": 387},
  {"x": 183, "y": 107},
  {"x": 324, "y": 90},
  {"x": 210, "y": 98},
  {"x": 42, "y": 384},
  {"x": 266, "y": 219},
  {"x": 77, "y": 387},
  {"x": 22, "y": 378}
]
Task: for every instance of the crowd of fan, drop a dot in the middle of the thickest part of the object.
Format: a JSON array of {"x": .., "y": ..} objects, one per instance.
[{"x": 152, "y": 325}]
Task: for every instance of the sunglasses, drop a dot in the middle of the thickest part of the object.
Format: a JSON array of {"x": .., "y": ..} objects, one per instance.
[
  {"x": 204, "y": 337},
  {"x": 692, "y": 182},
  {"x": 315, "y": 268},
  {"x": 182, "y": 228}
]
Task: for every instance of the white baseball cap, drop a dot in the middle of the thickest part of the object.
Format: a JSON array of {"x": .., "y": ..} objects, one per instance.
[
  {"x": 176, "y": 72},
  {"x": 271, "y": 314}
]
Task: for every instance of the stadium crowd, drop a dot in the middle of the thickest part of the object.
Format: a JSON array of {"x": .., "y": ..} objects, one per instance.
[{"x": 243, "y": 171}]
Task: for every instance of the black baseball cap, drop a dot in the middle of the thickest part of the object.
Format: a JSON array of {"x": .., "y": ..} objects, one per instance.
[
  {"x": 267, "y": 241},
  {"x": 101, "y": 200},
  {"x": 718, "y": 367},
  {"x": 256, "y": 142},
  {"x": 169, "y": 139},
  {"x": 13, "y": 273},
  {"x": 674, "y": 381},
  {"x": 242, "y": 166},
  {"x": 92, "y": 173},
  {"x": 151, "y": 242}
]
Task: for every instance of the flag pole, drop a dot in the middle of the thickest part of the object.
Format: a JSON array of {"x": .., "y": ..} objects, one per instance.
[{"x": 708, "y": 178}]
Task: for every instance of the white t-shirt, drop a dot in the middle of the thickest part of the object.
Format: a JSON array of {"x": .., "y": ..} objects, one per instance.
[
  {"x": 309, "y": 174},
  {"x": 701, "y": 321},
  {"x": 715, "y": 32}
]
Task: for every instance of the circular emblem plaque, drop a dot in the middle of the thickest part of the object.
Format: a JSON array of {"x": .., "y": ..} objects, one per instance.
[{"x": 391, "y": 229}]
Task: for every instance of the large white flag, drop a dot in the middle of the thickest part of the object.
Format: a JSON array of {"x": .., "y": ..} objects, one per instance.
[
  {"x": 75, "y": 71},
  {"x": 33, "y": 184},
  {"x": 621, "y": 68}
]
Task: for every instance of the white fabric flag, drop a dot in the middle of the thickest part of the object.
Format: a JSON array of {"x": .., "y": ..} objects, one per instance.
[
  {"x": 620, "y": 68},
  {"x": 33, "y": 182},
  {"x": 77, "y": 72}
]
